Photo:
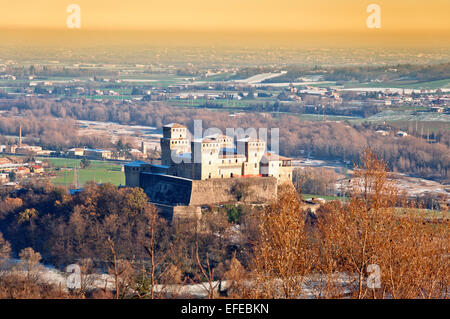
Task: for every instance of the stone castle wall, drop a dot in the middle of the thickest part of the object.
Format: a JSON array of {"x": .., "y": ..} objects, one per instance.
[
  {"x": 178, "y": 191},
  {"x": 219, "y": 191},
  {"x": 166, "y": 189}
]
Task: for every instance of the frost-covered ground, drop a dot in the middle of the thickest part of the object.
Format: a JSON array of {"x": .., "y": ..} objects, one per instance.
[
  {"x": 260, "y": 77},
  {"x": 311, "y": 286},
  {"x": 390, "y": 115}
]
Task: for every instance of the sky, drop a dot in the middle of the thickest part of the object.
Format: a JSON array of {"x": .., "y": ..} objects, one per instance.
[{"x": 405, "y": 16}]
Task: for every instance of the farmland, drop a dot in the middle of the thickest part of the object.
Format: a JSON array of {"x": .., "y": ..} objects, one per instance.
[{"x": 98, "y": 171}]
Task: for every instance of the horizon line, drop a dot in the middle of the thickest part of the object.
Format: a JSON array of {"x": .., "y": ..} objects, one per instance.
[{"x": 231, "y": 30}]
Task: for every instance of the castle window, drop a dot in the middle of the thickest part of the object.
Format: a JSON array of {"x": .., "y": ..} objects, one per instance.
[{"x": 256, "y": 165}]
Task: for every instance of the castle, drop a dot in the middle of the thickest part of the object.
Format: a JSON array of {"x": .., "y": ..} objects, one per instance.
[
  {"x": 215, "y": 156},
  {"x": 204, "y": 171}
]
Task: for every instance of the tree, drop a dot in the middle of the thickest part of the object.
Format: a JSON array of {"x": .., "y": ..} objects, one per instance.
[
  {"x": 28, "y": 215},
  {"x": 370, "y": 230},
  {"x": 208, "y": 274},
  {"x": 85, "y": 163},
  {"x": 121, "y": 270},
  {"x": 283, "y": 254},
  {"x": 30, "y": 263},
  {"x": 160, "y": 271},
  {"x": 316, "y": 181},
  {"x": 236, "y": 276},
  {"x": 241, "y": 190},
  {"x": 5, "y": 248}
]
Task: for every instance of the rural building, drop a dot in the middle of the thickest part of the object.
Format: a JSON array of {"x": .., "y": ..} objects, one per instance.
[
  {"x": 74, "y": 152},
  {"x": 37, "y": 169},
  {"x": 97, "y": 154}
]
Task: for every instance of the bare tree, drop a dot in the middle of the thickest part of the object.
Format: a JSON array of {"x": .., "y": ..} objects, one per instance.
[
  {"x": 283, "y": 254},
  {"x": 5, "y": 248},
  {"x": 30, "y": 263},
  {"x": 121, "y": 270},
  {"x": 208, "y": 274}
]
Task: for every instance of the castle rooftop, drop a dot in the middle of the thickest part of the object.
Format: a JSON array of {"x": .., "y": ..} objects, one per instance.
[
  {"x": 174, "y": 125},
  {"x": 217, "y": 136},
  {"x": 250, "y": 139},
  {"x": 275, "y": 157}
]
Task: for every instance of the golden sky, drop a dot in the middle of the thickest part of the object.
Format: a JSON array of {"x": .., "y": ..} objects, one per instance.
[{"x": 406, "y": 16}]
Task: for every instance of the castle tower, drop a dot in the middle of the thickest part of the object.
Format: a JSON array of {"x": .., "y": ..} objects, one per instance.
[
  {"x": 174, "y": 140},
  {"x": 205, "y": 157},
  {"x": 254, "y": 150}
]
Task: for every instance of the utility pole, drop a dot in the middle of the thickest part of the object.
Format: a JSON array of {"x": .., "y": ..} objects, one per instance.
[{"x": 76, "y": 180}]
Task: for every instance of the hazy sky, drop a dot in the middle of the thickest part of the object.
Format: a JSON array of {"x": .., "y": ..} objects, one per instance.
[{"x": 407, "y": 16}]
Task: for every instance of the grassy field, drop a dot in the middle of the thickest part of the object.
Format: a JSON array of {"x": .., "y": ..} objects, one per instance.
[
  {"x": 409, "y": 116},
  {"x": 99, "y": 171},
  {"x": 429, "y": 85},
  {"x": 320, "y": 117}
]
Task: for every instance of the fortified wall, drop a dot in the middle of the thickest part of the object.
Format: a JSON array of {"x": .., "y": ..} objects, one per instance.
[
  {"x": 212, "y": 170},
  {"x": 179, "y": 197},
  {"x": 176, "y": 191}
]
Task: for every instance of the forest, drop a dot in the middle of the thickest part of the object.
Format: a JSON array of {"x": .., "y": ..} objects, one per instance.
[{"x": 283, "y": 247}]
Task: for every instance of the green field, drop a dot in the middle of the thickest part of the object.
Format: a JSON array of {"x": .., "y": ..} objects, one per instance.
[
  {"x": 428, "y": 85},
  {"x": 320, "y": 117},
  {"x": 99, "y": 171}
]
